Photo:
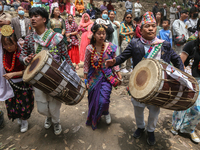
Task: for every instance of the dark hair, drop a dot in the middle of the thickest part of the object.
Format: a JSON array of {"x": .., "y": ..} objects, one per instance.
[
  {"x": 10, "y": 38},
  {"x": 2, "y": 2},
  {"x": 161, "y": 19},
  {"x": 184, "y": 11},
  {"x": 167, "y": 20},
  {"x": 131, "y": 23},
  {"x": 193, "y": 10},
  {"x": 94, "y": 29},
  {"x": 198, "y": 25},
  {"x": 103, "y": 10},
  {"x": 39, "y": 11},
  {"x": 52, "y": 15},
  {"x": 70, "y": 15},
  {"x": 111, "y": 11},
  {"x": 137, "y": 19}
]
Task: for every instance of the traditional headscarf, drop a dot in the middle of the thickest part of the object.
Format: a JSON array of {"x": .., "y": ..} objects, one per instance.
[
  {"x": 82, "y": 23},
  {"x": 148, "y": 17}
]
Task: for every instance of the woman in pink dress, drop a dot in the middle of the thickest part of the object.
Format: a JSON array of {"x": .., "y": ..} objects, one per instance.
[
  {"x": 85, "y": 27},
  {"x": 70, "y": 7}
]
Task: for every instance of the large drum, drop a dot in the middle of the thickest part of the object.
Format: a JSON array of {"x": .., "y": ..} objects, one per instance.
[
  {"x": 158, "y": 83},
  {"x": 57, "y": 80}
]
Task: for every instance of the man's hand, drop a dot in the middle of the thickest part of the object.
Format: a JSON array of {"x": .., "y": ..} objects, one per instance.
[
  {"x": 30, "y": 57},
  {"x": 9, "y": 76},
  {"x": 110, "y": 62}
]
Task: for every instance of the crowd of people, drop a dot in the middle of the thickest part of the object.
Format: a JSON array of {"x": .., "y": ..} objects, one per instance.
[{"x": 105, "y": 53}]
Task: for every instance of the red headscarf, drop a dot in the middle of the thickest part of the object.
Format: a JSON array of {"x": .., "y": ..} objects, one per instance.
[{"x": 82, "y": 23}]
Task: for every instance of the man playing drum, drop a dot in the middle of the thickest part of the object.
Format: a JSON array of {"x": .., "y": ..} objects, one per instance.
[
  {"x": 44, "y": 39},
  {"x": 148, "y": 46}
]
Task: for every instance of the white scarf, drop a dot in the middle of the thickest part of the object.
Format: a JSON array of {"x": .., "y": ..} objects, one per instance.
[{"x": 6, "y": 90}]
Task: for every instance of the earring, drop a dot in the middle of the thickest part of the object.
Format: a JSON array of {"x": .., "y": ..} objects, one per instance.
[{"x": 94, "y": 39}]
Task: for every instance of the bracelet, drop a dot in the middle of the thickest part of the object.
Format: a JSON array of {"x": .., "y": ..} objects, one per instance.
[
  {"x": 120, "y": 79},
  {"x": 86, "y": 81}
]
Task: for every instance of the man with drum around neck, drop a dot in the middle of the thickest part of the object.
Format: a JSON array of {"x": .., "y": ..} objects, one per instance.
[
  {"x": 44, "y": 39},
  {"x": 148, "y": 46}
]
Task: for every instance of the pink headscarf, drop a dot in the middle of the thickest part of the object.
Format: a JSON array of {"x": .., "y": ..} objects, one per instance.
[{"x": 82, "y": 23}]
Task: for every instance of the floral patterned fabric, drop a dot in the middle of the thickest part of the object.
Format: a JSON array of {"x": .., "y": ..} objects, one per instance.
[
  {"x": 22, "y": 104},
  {"x": 187, "y": 120}
]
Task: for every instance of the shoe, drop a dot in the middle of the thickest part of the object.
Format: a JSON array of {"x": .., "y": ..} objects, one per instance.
[
  {"x": 124, "y": 71},
  {"x": 194, "y": 137},
  {"x": 130, "y": 70},
  {"x": 108, "y": 118},
  {"x": 138, "y": 133},
  {"x": 151, "y": 138},
  {"x": 173, "y": 131},
  {"x": 47, "y": 123},
  {"x": 24, "y": 126},
  {"x": 19, "y": 121},
  {"x": 57, "y": 128}
]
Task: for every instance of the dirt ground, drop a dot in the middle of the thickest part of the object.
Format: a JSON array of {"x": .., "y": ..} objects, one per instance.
[{"x": 77, "y": 136}]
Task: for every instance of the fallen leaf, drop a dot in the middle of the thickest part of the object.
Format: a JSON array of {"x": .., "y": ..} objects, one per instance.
[
  {"x": 190, "y": 144},
  {"x": 180, "y": 140},
  {"x": 18, "y": 136},
  {"x": 75, "y": 129},
  {"x": 176, "y": 148},
  {"x": 45, "y": 135},
  {"x": 137, "y": 140},
  {"x": 24, "y": 147},
  {"x": 71, "y": 147},
  {"x": 81, "y": 141},
  {"x": 17, "y": 139},
  {"x": 129, "y": 142},
  {"x": 104, "y": 146},
  {"x": 13, "y": 148},
  {"x": 66, "y": 148},
  {"x": 89, "y": 147},
  {"x": 65, "y": 141},
  {"x": 9, "y": 138},
  {"x": 66, "y": 131}
]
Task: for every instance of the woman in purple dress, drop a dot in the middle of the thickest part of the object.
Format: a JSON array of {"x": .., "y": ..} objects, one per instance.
[{"x": 97, "y": 76}]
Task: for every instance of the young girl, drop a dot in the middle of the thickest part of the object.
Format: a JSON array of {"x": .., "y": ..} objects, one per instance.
[{"x": 21, "y": 105}]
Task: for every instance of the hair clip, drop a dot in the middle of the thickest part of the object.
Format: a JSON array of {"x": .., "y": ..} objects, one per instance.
[{"x": 101, "y": 28}]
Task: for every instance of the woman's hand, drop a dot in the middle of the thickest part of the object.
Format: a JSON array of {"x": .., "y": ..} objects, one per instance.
[
  {"x": 67, "y": 34},
  {"x": 30, "y": 57},
  {"x": 9, "y": 76}
]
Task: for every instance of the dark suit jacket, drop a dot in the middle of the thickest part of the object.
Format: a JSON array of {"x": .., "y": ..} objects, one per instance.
[
  {"x": 155, "y": 10},
  {"x": 135, "y": 49},
  {"x": 162, "y": 10},
  {"x": 17, "y": 28}
]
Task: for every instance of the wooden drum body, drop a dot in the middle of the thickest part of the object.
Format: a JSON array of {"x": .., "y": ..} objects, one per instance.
[
  {"x": 150, "y": 83},
  {"x": 43, "y": 73}
]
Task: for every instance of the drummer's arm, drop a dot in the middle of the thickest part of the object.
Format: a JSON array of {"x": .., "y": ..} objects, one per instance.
[
  {"x": 10, "y": 75},
  {"x": 176, "y": 60},
  {"x": 126, "y": 54},
  {"x": 63, "y": 52}
]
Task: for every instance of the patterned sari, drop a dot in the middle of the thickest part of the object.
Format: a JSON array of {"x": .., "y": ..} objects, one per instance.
[{"x": 99, "y": 87}]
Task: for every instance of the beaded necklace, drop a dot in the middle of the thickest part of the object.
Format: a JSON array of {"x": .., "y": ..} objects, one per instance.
[
  {"x": 13, "y": 62},
  {"x": 100, "y": 58}
]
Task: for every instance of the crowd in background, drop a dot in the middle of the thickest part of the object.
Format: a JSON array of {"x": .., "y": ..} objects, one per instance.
[{"x": 174, "y": 26}]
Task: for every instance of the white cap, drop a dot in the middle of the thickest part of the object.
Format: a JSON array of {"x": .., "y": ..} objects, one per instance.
[
  {"x": 164, "y": 4},
  {"x": 178, "y": 6},
  {"x": 174, "y": 3}
]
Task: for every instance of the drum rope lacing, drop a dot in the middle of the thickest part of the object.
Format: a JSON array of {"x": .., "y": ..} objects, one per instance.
[
  {"x": 17, "y": 87},
  {"x": 59, "y": 73}
]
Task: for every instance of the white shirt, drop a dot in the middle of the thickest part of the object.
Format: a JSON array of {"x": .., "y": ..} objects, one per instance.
[
  {"x": 165, "y": 13},
  {"x": 179, "y": 28},
  {"x": 137, "y": 7},
  {"x": 22, "y": 25},
  {"x": 191, "y": 23}
]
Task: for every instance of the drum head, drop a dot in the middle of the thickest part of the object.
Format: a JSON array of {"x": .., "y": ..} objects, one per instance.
[
  {"x": 144, "y": 78},
  {"x": 35, "y": 66}
]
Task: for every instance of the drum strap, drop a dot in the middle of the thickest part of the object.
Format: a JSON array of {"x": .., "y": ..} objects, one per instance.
[
  {"x": 156, "y": 50},
  {"x": 44, "y": 38}
]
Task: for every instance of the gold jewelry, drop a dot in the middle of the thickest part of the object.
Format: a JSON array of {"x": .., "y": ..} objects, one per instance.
[
  {"x": 8, "y": 47},
  {"x": 6, "y": 30},
  {"x": 101, "y": 28}
]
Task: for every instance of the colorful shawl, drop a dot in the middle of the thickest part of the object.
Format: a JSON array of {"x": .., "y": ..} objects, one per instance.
[
  {"x": 82, "y": 23},
  {"x": 72, "y": 28},
  {"x": 51, "y": 39},
  {"x": 155, "y": 41}
]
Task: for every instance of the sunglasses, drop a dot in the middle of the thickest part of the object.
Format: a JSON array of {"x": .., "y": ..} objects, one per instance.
[{"x": 129, "y": 17}]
